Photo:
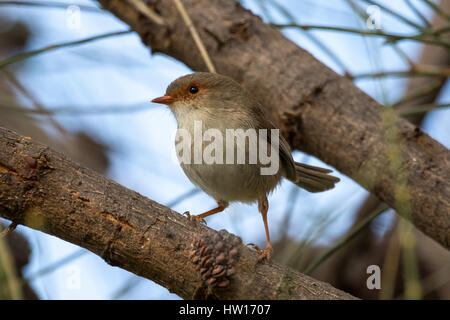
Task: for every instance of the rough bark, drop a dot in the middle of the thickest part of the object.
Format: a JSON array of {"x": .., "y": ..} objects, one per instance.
[
  {"x": 44, "y": 190},
  {"x": 321, "y": 113}
]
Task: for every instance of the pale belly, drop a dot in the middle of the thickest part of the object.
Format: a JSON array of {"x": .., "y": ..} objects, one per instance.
[
  {"x": 227, "y": 182},
  {"x": 231, "y": 182}
]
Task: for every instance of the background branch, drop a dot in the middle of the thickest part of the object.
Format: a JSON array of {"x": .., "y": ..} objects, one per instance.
[
  {"x": 195, "y": 35},
  {"x": 22, "y": 56}
]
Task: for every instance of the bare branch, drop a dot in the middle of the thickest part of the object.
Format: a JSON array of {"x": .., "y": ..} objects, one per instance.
[
  {"x": 146, "y": 11},
  {"x": 25, "y": 55},
  {"x": 195, "y": 35},
  {"x": 75, "y": 111},
  {"x": 437, "y": 9},
  {"x": 44, "y": 190},
  {"x": 8, "y": 230},
  {"x": 394, "y": 14},
  {"x": 417, "y": 71},
  {"x": 390, "y": 37},
  {"x": 418, "y": 13},
  {"x": 351, "y": 235}
]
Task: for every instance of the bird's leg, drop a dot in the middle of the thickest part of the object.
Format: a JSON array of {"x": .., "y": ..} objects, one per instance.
[
  {"x": 263, "y": 206},
  {"x": 221, "y": 205}
]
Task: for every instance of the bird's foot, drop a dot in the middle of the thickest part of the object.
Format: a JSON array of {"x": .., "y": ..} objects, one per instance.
[
  {"x": 263, "y": 254},
  {"x": 197, "y": 219}
]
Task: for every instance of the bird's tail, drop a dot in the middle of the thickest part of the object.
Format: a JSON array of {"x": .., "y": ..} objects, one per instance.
[{"x": 314, "y": 179}]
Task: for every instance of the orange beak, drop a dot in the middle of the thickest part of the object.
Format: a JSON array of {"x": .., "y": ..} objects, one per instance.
[{"x": 164, "y": 100}]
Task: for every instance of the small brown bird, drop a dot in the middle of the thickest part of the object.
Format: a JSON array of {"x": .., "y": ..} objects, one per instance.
[{"x": 212, "y": 101}]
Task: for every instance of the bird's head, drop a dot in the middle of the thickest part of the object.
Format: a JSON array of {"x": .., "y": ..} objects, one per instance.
[{"x": 203, "y": 91}]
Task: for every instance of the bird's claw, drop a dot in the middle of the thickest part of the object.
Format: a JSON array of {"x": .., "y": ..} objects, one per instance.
[
  {"x": 197, "y": 219},
  {"x": 263, "y": 254}
]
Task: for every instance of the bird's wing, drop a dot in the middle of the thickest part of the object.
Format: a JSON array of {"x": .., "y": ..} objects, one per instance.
[{"x": 266, "y": 121}]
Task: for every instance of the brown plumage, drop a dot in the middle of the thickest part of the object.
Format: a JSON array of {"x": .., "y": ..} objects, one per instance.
[{"x": 220, "y": 103}]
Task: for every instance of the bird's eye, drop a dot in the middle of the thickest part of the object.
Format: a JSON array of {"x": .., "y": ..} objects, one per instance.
[{"x": 193, "y": 89}]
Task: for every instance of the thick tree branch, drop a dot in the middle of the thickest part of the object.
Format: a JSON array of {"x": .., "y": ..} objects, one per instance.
[
  {"x": 46, "y": 191},
  {"x": 321, "y": 112}
]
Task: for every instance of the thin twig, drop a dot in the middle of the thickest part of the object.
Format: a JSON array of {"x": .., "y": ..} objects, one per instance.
[
  {"x": 419, "y": 71},
  {"x": 75, "y": 111},
  {"x": 183, "y": 197},
  {"x": 395, "y": 14},
  {"x": 264, "y": 10},
  {"x": 364, "y": 16},
  {"x": 402, "y": 195},
  {"x": 130, "y": 283},
  {"x": 412, "y": 285},
  {"x": 51, "y": 4},
  {"x": 372, "y": 50},
  {"x": 54, "y": 266},
  {"x": 441, "y": 31},
  {"x": 195, "y": 36},
  {"x": 437, "y": 9},
  {"x": 424, "y": 109},
  {"x": 8, "y": 229},
  {"x": 402, "y": 54},
  {"x": 15, "y": 82},
  {"x": 418, "y": 13},
  {"x": 25, "y": 55},
  {"x": 345, "y": 240},
  {"x": 146, "y": 11},
  {"x": 321, "y": 224},
  {"x": 390, "y": 37},
  {"x": 391, "y": 262},
  {"x": 419, "y": 93},
  {"x": 319, "y": 43}
]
